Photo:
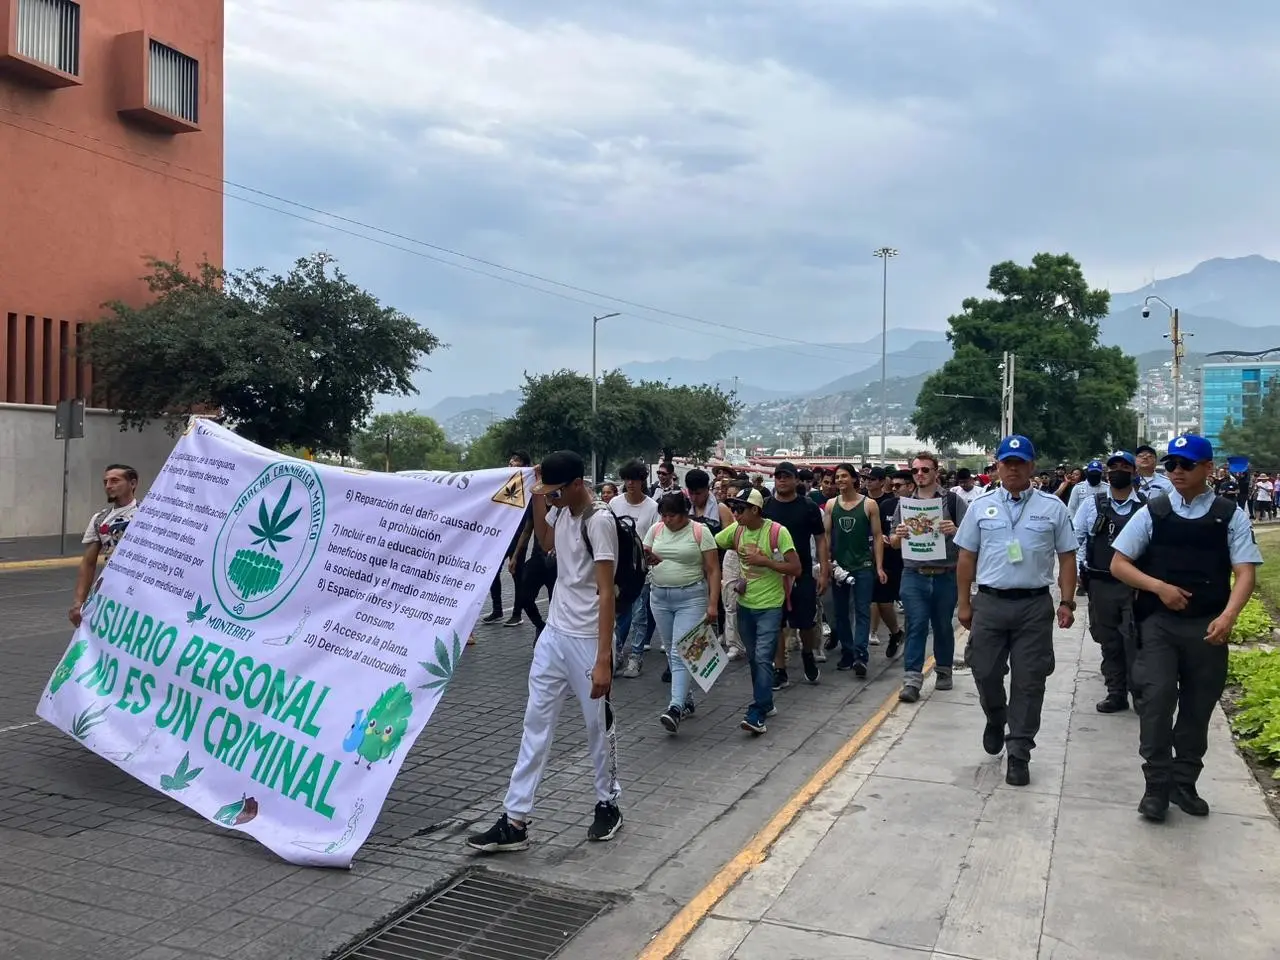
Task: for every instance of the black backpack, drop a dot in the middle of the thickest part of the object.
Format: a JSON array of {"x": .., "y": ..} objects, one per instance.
[{"x": 630, "y": 568}]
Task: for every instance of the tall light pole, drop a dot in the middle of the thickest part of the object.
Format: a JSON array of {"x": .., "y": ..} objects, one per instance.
[
  {"x": 1175, "y": 337},
  {"x": 884, "y": 253},
  {"x": 595, "y": 322}
]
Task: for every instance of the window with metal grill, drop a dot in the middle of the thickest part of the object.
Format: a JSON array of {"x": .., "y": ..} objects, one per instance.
[
  {"x": 174, "y": 83},
  {"x": 49, "y": 33}
]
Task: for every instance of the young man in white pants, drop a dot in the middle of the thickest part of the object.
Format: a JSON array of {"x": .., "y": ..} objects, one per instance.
[{"x": 575, "y": 652}]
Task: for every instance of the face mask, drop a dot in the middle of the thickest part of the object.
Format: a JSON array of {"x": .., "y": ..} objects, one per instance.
[
  {"x": 1121, "y": 480},
  {"x": 1094, "y": 476}
]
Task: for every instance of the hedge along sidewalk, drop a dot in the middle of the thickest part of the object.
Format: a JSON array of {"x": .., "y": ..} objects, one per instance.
[{"x": 1269, "y": 573}]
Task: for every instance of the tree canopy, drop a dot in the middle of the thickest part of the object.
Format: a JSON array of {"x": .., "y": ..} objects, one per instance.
[
  {"x": 289, "y": 360},
  {"x": 414, "y": 441},
  {"x": 1257, "y": 436},
  {"x": 646, "y": 419},
  {"x": 1071, "y": 394}
]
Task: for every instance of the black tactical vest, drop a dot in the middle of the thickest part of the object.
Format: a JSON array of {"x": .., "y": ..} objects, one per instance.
[
  {"x": 1098, "y": 550},
  {"x": 1192, "y": 554}
]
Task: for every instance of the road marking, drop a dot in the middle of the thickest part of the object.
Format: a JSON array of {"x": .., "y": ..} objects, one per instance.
[
  {"x": 20, "y": 726},
  {"x": 670, "y": 938},
  {"x": 8, "y": 566}
]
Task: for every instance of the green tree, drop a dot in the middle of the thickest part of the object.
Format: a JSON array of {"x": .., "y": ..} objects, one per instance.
[
  {"x": 1257, "y": 436},
  {"x": 492, "y": 448},
  {"x": 415, "y": 441},
  {"x": 1070, "y": 393},
  {"x": 292, "y": 359}
]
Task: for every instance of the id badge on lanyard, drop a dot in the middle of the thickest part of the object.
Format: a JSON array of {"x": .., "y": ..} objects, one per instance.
[{"x": 1013, "y": 552}]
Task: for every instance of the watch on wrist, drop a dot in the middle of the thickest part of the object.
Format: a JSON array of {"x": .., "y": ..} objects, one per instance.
[{"x": 1069, "y": 604}]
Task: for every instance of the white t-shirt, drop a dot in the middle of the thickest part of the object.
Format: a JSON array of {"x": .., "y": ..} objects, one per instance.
[
  {"x": 968, "y": 496},
  {"x": 644, "y": 513},
  {"x": 575, "y": 604},
  {"x": 107, "y": 526},
  {"x": 1263, "y": 492}
]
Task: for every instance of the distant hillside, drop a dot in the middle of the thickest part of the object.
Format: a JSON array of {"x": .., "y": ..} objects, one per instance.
[{"x": 1243, "y": 290}]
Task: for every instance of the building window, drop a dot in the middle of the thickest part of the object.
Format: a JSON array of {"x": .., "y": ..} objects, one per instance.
[
  {"x": 174, "y": 83},
  {"x": 49, "y": 33}
]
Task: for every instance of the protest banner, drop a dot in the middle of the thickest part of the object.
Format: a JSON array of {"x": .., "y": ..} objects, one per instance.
[
  {"x": 925, "y": 540},
  {"x": 702, "y": 654},
  {"x": 271, "y": 635}
]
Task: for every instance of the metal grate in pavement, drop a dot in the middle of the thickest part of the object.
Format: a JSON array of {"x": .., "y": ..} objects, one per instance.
[{"x": 484, "y": 916}]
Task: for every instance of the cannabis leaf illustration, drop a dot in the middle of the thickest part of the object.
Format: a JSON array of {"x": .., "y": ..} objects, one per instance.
[
  {"x": 199, "y": 613},
  {"x": 446, "y": 663},
  {"x": 271, "y": 529},
  {"x": 182, "y": 777},
  {"x": 86, "y": 720}
]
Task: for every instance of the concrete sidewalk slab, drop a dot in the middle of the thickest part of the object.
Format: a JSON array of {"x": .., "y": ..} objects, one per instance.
[{"x": 918, "y": 849}]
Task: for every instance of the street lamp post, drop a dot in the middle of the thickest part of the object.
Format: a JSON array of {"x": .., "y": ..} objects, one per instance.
[
  {"x": 595, "y": 322},
  {"x": 884, "y": 253},
  {"x": 1175, "y": 337}
]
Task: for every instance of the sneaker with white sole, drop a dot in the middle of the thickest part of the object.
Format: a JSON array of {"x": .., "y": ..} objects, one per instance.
[
  {"x": 503, "y": 837},
  {"x": 633, "y": 668},
  {"x": 607, "y": 823}
]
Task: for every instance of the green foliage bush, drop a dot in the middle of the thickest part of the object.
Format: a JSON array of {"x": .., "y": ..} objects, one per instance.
[
  {"x": 1257, "y": 720},
  {"x": 1254, "y": 622}
]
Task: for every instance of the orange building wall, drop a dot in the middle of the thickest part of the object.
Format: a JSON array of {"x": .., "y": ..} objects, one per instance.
[{"x": 86, "y": 194}]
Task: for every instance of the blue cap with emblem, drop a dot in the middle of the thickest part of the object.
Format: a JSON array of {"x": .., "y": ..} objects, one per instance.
[
  {"x": 1190, "y": 447},
  {"x": 1124, "y": 455},
  {"x": 1016, "y": 447},
  {"x": 1093, "y": 465}
]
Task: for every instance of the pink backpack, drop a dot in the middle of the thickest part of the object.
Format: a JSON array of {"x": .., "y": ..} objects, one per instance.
[{"x": 775, "y": 535}]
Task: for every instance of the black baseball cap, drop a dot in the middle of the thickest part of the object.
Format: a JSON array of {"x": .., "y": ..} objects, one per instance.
[
  {"x": 787, "y": 467},
  {"x": 559, "y": 469},
  {"x": 1145, "y": 448},
  {"x": 876, "y": 473}
]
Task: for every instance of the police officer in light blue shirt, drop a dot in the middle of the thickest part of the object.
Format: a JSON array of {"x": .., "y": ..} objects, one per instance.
[
  {"x": 1098, "y": 522},
  {"x": 1180, "y": 553},
  {"x": 1009, "y": 542},
  {"x": 1148, "y": 482},
  {"x": 1091, "y": 487}
]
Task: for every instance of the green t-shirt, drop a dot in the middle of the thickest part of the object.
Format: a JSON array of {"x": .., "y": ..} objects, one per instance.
[
  {"x": 850, "y": 535},
  {"x": 765, "y": 588}
]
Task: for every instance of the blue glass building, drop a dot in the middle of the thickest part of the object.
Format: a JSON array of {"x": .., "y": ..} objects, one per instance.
[{"x": 1226, "y": 389}]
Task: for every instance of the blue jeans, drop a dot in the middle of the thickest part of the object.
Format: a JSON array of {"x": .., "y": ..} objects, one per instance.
[
  {"x": 676, "y": 611},
  {"x": 758, "y": 630},
  {"x": 634, "y": 622},
  {"x": 929, "y": 601},
  {"x": 853, "y": 616}
]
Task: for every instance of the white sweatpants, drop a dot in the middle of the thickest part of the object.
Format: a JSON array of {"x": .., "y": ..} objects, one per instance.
[{"x": 562, "y": 663}]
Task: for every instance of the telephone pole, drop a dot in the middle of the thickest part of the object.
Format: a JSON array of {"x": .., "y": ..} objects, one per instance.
[
  {"x": 1175, "y": 338},
  {"x": 1007, "y": 363}
]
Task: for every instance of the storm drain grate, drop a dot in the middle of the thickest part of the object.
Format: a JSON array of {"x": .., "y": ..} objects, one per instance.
[{"x": 484, "y": 916}]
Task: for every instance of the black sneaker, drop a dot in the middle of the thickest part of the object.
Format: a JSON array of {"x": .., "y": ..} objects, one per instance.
[
  {"x": 811, "y": 671},
  {"x": 846, "y": 662},
  {"x": 780, "y": 680},
  {"x": 993, "y": 737},
  {"x": 689, "y": 709},
  {"x": 513, "y": 621},
  {"x": 753, "y": 722},
  {"x": 503, "y": 837},
  {"x": 670, "y": 719},
  {"x": 666, "y": 675},
  {"x": 1017, "y": 772},
  {"x": 493, "y": 617},
  {"x": 1113, "y": 703},
  {"x": 860, "y": 670},
  {"x": 895, "y": 644},
  {"x": 607, "y": 823}
]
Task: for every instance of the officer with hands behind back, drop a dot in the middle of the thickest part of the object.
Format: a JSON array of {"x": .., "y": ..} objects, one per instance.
[
  {"x": 1009, "y": 539},
  {"x": 1179, "y": 552},
  {"x": 1098, "y": 522}
]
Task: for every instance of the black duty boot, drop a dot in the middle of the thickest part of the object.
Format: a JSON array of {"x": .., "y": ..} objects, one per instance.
[
  {"x": 1154, "y": 805},
  {"x": 1018, "y": 772},
  {"x": 1113, "y": 703},
  {"x": 993, "y": 736},
  {"x": 1188, "y": 801}
]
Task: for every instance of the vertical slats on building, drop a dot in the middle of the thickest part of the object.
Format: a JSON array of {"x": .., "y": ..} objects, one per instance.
[
  {"x": 49, "y": 32},
  {"x": 174, "y": 85},
  {"x": 39, "y": 360}
]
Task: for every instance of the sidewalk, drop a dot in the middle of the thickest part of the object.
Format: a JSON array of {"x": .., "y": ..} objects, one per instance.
[
  {"x": 20, "y": 552},
  {"x": 918, "y": 850}
]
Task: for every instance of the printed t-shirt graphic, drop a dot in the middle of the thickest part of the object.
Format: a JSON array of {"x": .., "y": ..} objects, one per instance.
[{"x": 765, "y": 588}]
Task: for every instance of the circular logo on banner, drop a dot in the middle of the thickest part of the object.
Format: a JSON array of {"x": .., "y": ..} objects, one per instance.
[
  {"x": 1014, "y": 444},
  {"x": 268, "y": 540},
  {"x": 1180, "y": 442},
  {"x": 991, "y": 511}
]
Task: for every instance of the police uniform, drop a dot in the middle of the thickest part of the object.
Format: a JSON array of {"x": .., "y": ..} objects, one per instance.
[
  {"x": 1017, "y": 540},
  {"x": 1192, "y": 545},
  {"x": 1098, "y": 522}
]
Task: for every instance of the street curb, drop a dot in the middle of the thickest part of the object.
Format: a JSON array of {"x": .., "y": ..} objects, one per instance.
[
  {"x": 10, "y": 566},
  {"x": 670, "y": 938}
]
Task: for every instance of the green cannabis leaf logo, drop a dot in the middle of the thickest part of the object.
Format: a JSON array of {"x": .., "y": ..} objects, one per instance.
[
  {"x": 199, "y": 613},
  {"x": 182, "y": 777},
  {"x": 86, "y": 720},
  {"x": 271, "y": 529},
  {"x": 446, "y": 663}
]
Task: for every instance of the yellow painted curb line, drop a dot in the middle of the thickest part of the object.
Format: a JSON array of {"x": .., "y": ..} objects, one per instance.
[
  {"x": 11, "y": 565},
  {"x": 669, "y": 939}
]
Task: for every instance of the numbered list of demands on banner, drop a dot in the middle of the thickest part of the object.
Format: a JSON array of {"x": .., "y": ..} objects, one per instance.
[{"x": 390, "y": 561}]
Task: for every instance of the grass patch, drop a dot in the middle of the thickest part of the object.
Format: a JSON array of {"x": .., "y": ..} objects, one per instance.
[
  {"x": 1269, "y": 573},
  {"x": 1256, "y": 716}
]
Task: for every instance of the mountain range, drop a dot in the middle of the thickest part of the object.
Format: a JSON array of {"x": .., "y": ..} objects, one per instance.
[{"x": 1223, "y": 304}]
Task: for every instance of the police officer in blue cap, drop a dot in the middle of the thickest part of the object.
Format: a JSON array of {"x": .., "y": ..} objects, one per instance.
[
  {"x": 1180, "y": 552},
  {"x": 1088, "y": 490},
  {"x": 1098, "y": 522},
  {"x": 1009, "y": 540}
]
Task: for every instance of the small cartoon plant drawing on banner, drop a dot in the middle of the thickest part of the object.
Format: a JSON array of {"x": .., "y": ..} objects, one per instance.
[
  {"x": 446, "y": 663},
  {"x": 238, "y": 812},
  {"x": 199, "y": 613},
  {"x": 86, "y": 720},
  {"x": 385, "y": 729},
  {"x": 182, "y": 777},
  {"x": 62, "y": 673},
  {"x": 256, "y": 571}
]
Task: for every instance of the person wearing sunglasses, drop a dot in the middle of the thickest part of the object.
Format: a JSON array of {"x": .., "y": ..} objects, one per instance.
[{"x": 1180, "y": 552}]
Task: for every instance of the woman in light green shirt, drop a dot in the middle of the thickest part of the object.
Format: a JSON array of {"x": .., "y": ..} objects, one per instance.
[{"x": 684, "y": 583}]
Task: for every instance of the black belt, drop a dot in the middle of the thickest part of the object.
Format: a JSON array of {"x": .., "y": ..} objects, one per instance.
[{"x": 1020, "y": 594}]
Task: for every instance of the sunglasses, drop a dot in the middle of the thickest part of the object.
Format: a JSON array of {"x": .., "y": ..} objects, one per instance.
[
  {"x": 922, "y": 469},
  {"x": 736, "y": 508},
  {"x": 1180, "y": 463}
]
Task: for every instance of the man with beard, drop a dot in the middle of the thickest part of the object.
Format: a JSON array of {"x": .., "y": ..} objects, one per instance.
[{"x": 105, "y": 529}]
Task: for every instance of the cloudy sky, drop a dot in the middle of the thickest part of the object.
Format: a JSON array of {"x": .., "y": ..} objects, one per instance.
[{"x": 736, "y": 161}]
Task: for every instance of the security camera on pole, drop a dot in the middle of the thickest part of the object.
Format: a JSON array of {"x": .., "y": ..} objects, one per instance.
[{"x": 1175, "y": 337}]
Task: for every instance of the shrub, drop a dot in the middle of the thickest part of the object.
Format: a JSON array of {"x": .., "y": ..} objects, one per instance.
[{"x": 1257, "y": 719}]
